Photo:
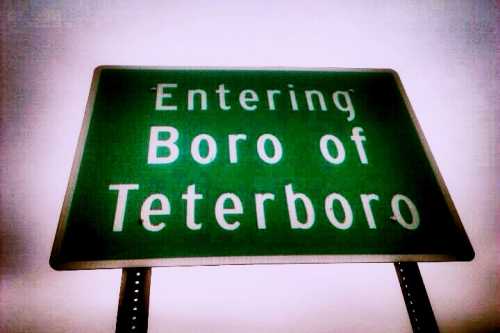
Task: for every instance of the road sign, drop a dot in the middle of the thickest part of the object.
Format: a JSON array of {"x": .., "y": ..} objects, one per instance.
[{"x": 233, "y": 166}]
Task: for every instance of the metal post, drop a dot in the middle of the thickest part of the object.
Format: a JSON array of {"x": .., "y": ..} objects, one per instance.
[
  {"x": 417, "y": 302},
  {"x": 133, "y": 306}
]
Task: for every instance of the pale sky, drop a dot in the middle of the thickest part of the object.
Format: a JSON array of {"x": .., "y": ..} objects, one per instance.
[{"x": 446, "y": 55}]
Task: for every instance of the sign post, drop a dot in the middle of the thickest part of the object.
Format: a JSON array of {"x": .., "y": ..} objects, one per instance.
[
  {"x": 417, "y": 302},
  {"x": 133, "y": 305},
  {"x": 180, "y": 167}
]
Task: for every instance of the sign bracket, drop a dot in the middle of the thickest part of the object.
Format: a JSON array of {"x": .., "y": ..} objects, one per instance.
[
  {"x": 415, "y": 296},
  {"x": 133, "y": 305}
]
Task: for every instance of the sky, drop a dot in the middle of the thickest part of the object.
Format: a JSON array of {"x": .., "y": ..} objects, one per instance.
[{"x": 446, "y": 53}]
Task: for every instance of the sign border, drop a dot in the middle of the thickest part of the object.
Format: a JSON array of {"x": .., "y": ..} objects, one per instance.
[{"x": 244, "y": 260}]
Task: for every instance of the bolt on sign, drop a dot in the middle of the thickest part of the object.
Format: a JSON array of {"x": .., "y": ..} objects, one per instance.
[{"x": 237, "y": 166}]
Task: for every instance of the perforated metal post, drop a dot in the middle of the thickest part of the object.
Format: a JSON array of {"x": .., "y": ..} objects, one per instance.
[
  {"x": 417, "y": 302},
  {"x": 133, "y": 306}
]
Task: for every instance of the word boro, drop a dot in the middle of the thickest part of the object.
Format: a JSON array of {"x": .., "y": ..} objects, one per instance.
[{"x": 226, "y": 166}]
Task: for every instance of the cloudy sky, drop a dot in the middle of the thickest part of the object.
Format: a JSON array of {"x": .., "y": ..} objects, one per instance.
[{"x": 446, "y": 55}]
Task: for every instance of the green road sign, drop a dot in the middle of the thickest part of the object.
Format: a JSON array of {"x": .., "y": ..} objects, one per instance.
[{"x": 225, "y": 166}]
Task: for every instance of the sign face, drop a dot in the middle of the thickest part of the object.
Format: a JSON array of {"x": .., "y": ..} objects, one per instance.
[{"x": 226, "y": 166}]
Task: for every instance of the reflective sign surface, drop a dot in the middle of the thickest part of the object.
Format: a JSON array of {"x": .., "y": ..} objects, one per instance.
[{"x": 216, "y": 166}]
